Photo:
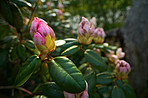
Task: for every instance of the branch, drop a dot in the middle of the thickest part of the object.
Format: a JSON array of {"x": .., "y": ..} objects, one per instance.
[
  {"x": 33, "y": 9},
  {"x": 19, "y": 88}
]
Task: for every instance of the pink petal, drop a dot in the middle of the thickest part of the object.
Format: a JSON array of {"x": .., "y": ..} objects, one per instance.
[
  {"x": 86, "y": 26},
  {"x": 85, "y": 94},
  {"x": 68, "y": 95},
  {"x": 43, "y": 29},
  {"x": 38, "y": 39}
]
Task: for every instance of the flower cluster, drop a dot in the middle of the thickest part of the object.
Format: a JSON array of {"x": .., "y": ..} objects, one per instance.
[
  {"x": 115, "y": 57},
  {"x": 43, "y": 36},
  {"x": 87, "y": 32}
]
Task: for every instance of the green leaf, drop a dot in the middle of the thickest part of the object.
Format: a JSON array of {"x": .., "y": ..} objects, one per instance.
[
  {"x": 4, "y": 29},
  {"x": 13, "y": 54},
  {"x": 83, "y": 67},
  {"x": 22, "y": 3},
  {"x": 21, "y": 51},
  {"x": 17, "y": 16},
  {"x": 71, "y": 50},
  {"x": 60, "y": 42},
  {"x": 90, "y": 77},
  {"x": 119, "y": 83},
  {"x": 95, "y": 60},
  {"x": 69, "y": 44},
  {"x": 129, "y": 92},
  {"x": 5, "y": 11},
  {"x": 3, "y": 57},
  {"x": 104, "y": 78},
  {"x": 27, "y": 69},
  {"x": 52, "y": 90},
  {"x": 30, "y": 45},
  {"x": 117, "y": 93},
  {"x": 66, "y": 75},
  {"x": 40, "y": 96}
]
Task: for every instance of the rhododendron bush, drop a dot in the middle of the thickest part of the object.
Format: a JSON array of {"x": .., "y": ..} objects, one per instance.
[{"x": 82, "y": 66}]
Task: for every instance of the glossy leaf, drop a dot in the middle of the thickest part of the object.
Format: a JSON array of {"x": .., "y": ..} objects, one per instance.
[
  {"x": 117, "y": 93},
  {"x": 27, "y": 69},
  {"x": 69, "y": 44},
  {"x": 22, "y": 3},
  {"x": 71, "y": 50},
  {"x": 90, "y": 77},
  {"x": 83, "y": 67},
  {"x": 30, "y": 45},
  {"x": 66, "y": 75},
  {"x": 104, "y": 78},
  {"x": 52, "y": 90},
  {"x": 17, "y": 22},
  {"x": 60, "y": 42},
  {"x": 40, "y": 96},
  {"x": 129, "y": 91},
  {"x": 5, "y": 11},
  {"x": 95, "y": 60},
  {"x": 4, "y": 28},
  {"x": 3, "y": 57},
  {"x": 21, "y": 51}
]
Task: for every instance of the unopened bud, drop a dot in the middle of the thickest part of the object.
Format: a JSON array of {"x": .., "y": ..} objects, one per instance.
[
  {"x": 85, "y": 31},
  {"x": 93, "y": 21},
  {"x": 123, "y": 67},
  {"x": 59, "y": 14},
  {"x": 43, "y": 36},
  {"x": 99, "y": 35}
]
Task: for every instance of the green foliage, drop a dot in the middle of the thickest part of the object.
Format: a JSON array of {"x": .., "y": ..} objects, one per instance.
[
  {"x": 4, "y": 57},
  {"x": 105, "y": 78},
  {"x": 66, "y": 75},
  {"x": 95, "y": 60},
  {"x": 21, "y": 63},
  {"x": 27, "y": 70},
  {"x": 117, "y": 92},
  {"x": 71, "y": 50},
  {"x": 51, "y": 90}
]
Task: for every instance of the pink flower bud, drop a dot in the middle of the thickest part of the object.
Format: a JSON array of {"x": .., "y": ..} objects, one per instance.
[
  {"x": 123, "y": 67},
  {"x": 48, "y": 3},
  {"x": 99, "y": 35},
  {"x": 60, "y": 5},
  {"x": 93, "y": 21},
  {"x": 59, "y": 12},
  {"x": 42, "y": 35},
  {"x": 85, "y": 31},
  {"x": 119, "y": 53},
  {"x": 97, "y": 50}
]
